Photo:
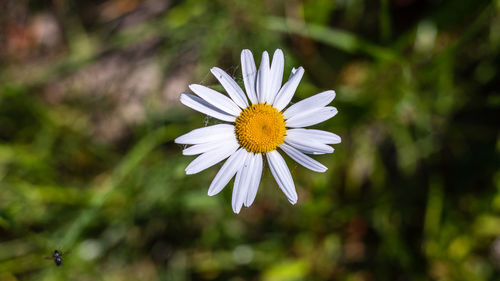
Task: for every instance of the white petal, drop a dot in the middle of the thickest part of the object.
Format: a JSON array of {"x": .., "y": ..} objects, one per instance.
[
  {"x": 282, "y": 175},
  {"x": 306, "y": 145},
  {"x": 275, "y": 75},
  {"x": 216, "y": 99},
  {"x": 286, "y": 92},
  {"x": 318, "y": 100},
  {"x": 227, "y": 171},
  {"x": 210, "y": 158},
  {"x": 207, "y": 134},
  {"x": 263, "y": 78},
  {"x": 207, "y": 146},
  {"x": 256, "y": 170},
  {"x": 311, "y": 117},
  {"x": 303, "y": 159},
  {"x": 249, "y": 72},
  {"x": 204, "y": 107},
  {"x": 317, "y": 135},
  {"x": 241, "y": 183},
  {"x": 231, "y": 87}
]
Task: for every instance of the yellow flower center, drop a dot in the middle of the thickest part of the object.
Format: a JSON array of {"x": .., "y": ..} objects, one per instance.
[{"x": 260, "y": 128}]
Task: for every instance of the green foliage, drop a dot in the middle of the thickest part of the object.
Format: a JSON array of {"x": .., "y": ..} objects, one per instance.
[{"x": 88, "y": 163}]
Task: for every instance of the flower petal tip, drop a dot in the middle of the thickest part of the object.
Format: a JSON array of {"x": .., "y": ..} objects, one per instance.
[
  {"x": 211, "y": 191},
  {"x": 215, "y": 70},
  {"x": 332, "y": 93}
]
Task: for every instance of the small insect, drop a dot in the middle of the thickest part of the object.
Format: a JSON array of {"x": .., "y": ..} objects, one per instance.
[{"x": 57, "y": 257}]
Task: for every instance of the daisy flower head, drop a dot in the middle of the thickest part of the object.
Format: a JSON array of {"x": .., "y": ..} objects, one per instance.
[{"x": 254, "y": 126}]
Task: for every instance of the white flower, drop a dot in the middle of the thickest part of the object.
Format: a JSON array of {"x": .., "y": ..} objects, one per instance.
[{"x": 257, "y": 128}]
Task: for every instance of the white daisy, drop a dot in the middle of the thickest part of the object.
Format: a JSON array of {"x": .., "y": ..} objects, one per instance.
[{"x": 257, "y": 127}]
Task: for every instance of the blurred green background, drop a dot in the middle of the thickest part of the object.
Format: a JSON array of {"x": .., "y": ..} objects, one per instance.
[{"x": 89, "y": 108}]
